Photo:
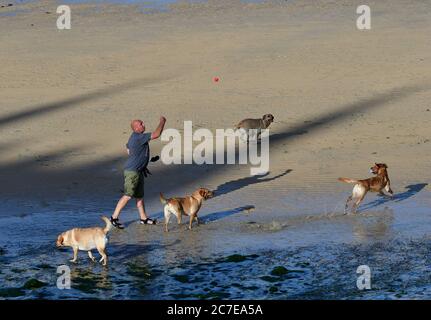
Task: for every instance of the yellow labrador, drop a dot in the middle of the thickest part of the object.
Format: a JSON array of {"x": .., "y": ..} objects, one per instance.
[
  {"x": 86, "y": 239},
  {"x": 188, "y": 206}
]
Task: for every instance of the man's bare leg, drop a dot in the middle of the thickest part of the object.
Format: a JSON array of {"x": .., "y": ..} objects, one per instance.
[
  {"x": 141, "y": 208},
  {"x": 120, "y": 205}
]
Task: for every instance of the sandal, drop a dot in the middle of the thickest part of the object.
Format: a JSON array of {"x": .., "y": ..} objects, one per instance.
[
  {"x": 148, "y": 221},
  {"x": 116, "y": 223}
]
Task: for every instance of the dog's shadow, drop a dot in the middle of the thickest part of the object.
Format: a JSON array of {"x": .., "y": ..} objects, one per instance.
[
  {"x": 223, "y": 189},
  {"x": 206, "y": 218},
  {"x": 234, "y": 185},
  {"x": 224, "y": 214},
  {"x": 410, "y": 192}
]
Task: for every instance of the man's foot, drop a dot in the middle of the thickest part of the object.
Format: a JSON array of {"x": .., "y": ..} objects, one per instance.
[
  {"x": 148, "y": 221},
  {"x": 116, "y": 223}
]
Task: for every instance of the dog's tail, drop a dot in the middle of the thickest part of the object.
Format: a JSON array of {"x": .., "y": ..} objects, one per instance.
[
  {"x": 348, "y": 180},
  {"x": 238, "y": 125},
  {"x": 163, "y": 200},
  {"x": 108, "y": 224}
]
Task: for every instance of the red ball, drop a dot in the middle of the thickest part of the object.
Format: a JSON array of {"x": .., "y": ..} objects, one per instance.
[{"x": 216, "y": 79}]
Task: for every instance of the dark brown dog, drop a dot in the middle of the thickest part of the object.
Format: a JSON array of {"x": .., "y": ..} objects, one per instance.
[
  {"x": 375, "y": 184},
  {"x": 188, "y": 206}
]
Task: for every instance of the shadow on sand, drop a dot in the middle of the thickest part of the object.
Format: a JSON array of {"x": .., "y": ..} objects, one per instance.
[
  {"x": 101, "y": 185},
  {"x": 234, "y": 185},
  {"x": 47, "y": 108},
  {"x": 202, "y": 218},
  {"x": 224, "y": 189},
  {"x": 224, "y": 214},
  {"x": 412, "y": 190}
]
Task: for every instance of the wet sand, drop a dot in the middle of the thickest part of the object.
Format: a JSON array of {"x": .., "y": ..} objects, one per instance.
[
  {"x": 232, "y": 254},
  {"x": 342, "y": 100}
]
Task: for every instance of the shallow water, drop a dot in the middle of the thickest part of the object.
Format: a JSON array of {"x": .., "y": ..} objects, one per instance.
[{"x": 288, "y": 247}]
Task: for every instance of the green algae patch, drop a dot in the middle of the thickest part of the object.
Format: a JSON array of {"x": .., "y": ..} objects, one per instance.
[
  {"x": 181, "y": 278},
  {"x": 273, "y": 289},
  {"x": 11, "y": 292},
  {"x": 270, "y": 279},
  {"x": 212, "y": 295},
  {"x": 44, "y": 266},
  {"x": 139, "y": 271},
  {"x": 33, "y": 284},
  {"x": 236, "y": 258},
  {"x": 279, "y": 271}
]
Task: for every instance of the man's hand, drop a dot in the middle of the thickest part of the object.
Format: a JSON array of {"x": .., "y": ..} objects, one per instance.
[{"x": 159, "y": 129}]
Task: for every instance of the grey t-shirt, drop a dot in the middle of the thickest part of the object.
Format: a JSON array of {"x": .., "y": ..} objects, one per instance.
[{"x": 139, "y": 151}]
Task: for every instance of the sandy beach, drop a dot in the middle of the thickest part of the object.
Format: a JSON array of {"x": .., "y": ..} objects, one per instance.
[{"x": 342, "y": 100}]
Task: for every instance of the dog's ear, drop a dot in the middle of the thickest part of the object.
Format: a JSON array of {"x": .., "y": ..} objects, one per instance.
[
  {"x": 60, "y": 240},
  {"x": 384, "y": 165}
]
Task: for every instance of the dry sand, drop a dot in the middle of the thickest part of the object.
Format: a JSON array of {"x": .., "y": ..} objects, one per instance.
[{"x": 342, "y": 98}]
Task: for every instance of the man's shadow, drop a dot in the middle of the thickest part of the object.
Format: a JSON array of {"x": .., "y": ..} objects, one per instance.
[
  {"x": 234, "y": 185},
  {"x": 410, "y": 192}
]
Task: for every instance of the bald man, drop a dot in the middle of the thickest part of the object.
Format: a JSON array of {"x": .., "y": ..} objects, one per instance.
[{"x": 139, "y": 156}]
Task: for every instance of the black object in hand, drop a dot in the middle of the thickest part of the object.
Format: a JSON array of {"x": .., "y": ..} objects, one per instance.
[{"x": 146, "y": 172}]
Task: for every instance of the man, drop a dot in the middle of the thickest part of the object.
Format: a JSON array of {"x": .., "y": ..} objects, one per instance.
[{"x": 135, "y": 169}]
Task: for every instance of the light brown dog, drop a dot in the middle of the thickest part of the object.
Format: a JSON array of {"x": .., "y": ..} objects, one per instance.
[
  {"x": 188, "y": 206},
  {"x": 86, "y": 239},
  {"x": 375, "y": 184},
  {"x": 256, "y": 124}
]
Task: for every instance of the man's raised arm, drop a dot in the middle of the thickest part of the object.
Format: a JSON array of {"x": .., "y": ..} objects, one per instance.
[{"x": 156, "y": 134}]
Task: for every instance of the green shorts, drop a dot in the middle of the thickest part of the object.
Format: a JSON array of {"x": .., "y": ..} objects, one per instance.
[{"x": 133, "y": 184}]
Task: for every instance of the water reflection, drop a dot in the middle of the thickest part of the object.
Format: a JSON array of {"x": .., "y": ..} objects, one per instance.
[{"x": 374, "y": 226}]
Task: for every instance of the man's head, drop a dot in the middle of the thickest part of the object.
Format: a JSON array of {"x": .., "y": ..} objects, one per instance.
[{"x": 137, "y": 126}]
